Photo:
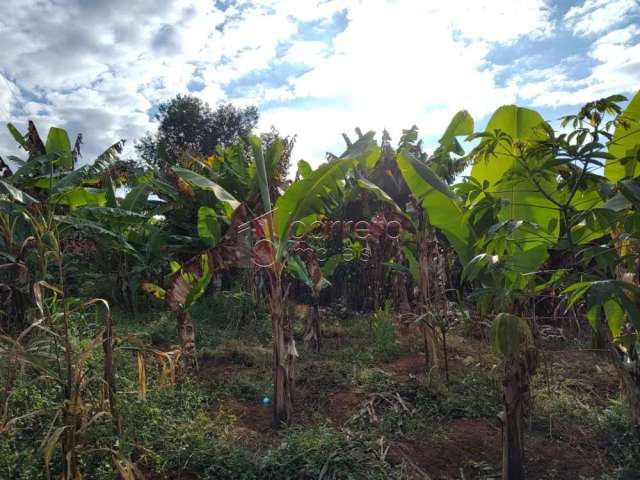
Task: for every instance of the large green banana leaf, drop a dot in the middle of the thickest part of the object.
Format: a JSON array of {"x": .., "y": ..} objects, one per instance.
[
  {"x": 208, "y": 225},
  {"x": 378, "y": 193},
  {"x": 625, "y": 145},
  {"x": 442, "y": 206},
  {"x": 364, "y": 151},
  {"x": 522, "y": 198},
  {"x": 76, "y": 197},
  {"x": 460, "y": 124},
  {"x": 308, "y": 196},
  {"x": 197, "y": 180},
  {"x": 261, "y": 171},
  {"x": 59, "y": 147},
  {"x": 16, "y": 194}
]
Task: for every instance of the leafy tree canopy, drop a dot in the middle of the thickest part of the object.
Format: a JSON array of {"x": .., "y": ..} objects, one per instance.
[{"x": 189, "y": 124}]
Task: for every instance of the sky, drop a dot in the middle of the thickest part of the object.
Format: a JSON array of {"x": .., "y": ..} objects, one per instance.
[{"x": 315, "y": 68}]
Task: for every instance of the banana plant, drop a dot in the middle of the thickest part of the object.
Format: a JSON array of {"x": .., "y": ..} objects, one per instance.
[
  {"x": 197, "y": 285},
  {"x": 56, "y": 155},
  {"x": 50, "y": 172},
  {"x": 612, "y": 293},
  {"x": 509, "y": 167},
  {"x": 297, "y": 207},
  {"x": 498, "y": 217},
  {"x": 442, "y": 162},
  {"x": 16, "y": 276},
  {"x": 533, "y": 190},
  {"x": 307, "y": 270},
  {"x": 41, "y": 187},
  {"x": 435, "y": 208},
  {"x": 197, "y": 189},
  {"x": 550, "y": 190},
  {"x": 512, "y": 340},
  {"x": 188, "y": 281},
  {"x": 624, "y": 146}
]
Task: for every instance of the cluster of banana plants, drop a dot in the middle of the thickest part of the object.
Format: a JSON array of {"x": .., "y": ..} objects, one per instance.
[
  {"x": 545, "y": 209},
  {"x": 56, "y": 219},
  {"x": 541, "y": 209}
]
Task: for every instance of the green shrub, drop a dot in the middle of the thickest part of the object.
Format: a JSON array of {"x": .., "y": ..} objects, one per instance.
[
  {"x": 623, "y": 444},
  {"x": 385, "y": 335},
  {"x": 248, "y": 386},
  {"x": 241, "y": 352},
  {"x": 474, "y": 393},
  {"x": 177, "y": 434},
  {"x": 322, "y": 452},
  {"x": 372, "y": 379}
]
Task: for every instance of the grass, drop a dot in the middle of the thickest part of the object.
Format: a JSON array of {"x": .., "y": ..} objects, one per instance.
[
  {"x": 322, "y": 451},
  {"x": 212, "y": 423},
  {"x": 472, "y": 393}
]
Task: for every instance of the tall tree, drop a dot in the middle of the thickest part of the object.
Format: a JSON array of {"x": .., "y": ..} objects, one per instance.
[{"x": 186, "y": 123}]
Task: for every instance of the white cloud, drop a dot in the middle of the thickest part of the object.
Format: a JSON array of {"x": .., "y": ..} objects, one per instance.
[
  {"x": 495, "y": 21},
  {"x": 319, "y": 129},
  {"x": 250, "y": 40},
  {"x": 617, "y": 71},
  {"x": 597, "y": 16},
  {"x": 92, "y": 69},
  {"x": 306, "y": 52},
  {"x": 212, "y": 93},
  {"x": 307, "y": 10},
  {"x": 99, "y": 67},
  {"x": 402, "y": 63},
  {"x": 8, "y": 96}
]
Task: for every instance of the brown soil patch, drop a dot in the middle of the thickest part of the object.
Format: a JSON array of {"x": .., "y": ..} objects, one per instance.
[
  {"x": 465, "y": 351},
  {"x": 252, "y": 418},
  {"x": 564, "y": 457},
  {"x": 341, "y": 406},
  {"x": 149, "y": 475},
  {"x": 582, "y": 370},
  {"x": 469, "y": 444},
  {"x": 404, "y": 367},
  {"x": 216, "y": 366},
  {"x": 464, "y": 443},
  {"x": 442, "y": 455}
]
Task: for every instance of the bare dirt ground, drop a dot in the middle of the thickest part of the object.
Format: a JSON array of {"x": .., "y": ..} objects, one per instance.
[{"x": 459, "y": 447}]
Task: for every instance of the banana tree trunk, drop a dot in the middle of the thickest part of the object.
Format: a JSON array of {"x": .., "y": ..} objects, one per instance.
[
  {"x": 430, "y": 340},
  {"x": 186, "y": 333},
  {"x": 402, "y": 296},
  {"x": 311, "y": 335},
  {"x": 124, "y": 283},
  {"x": 515, "y": 387},
  {"x": 423, "y": 263},
  {"x": 374, "y": 274},
  {"x": 599, "y": 336},
  {"x": 284, "y": 354},
  {"x": 400, "y": 287}
]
